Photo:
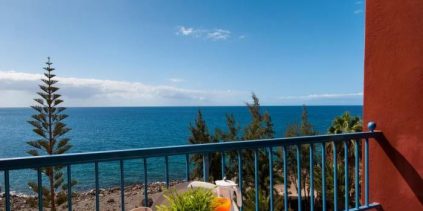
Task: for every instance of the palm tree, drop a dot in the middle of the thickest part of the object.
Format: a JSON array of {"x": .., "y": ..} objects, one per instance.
[{"x": 345, "y": 123}]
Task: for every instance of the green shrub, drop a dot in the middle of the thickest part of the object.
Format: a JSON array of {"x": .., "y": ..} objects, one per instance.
[{"x": 198, "y": 199}]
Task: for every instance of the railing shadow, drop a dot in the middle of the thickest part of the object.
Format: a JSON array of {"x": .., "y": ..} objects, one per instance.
[{"x": 405, "y": 168}]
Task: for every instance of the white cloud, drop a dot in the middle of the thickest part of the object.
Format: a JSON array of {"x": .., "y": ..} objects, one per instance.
[
  {"x": 176, "y": 80},
  {"x": 210, "y": 34},
  {"x": 219, "y": 34},
  {"x": 359, "y": 2},
  {"x": 323, "y": 96},
  {"x": 185, "y": 30},
  {"x": 15, "y": 87}
]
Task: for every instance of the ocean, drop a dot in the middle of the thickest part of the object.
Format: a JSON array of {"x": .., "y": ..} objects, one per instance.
[{"x": 113, "y": 128}]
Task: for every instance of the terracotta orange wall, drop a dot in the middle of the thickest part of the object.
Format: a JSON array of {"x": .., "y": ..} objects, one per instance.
[{"x": 393, "y": 98}]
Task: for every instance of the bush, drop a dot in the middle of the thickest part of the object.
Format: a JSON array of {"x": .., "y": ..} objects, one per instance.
[{"x": 199, "y": 199}]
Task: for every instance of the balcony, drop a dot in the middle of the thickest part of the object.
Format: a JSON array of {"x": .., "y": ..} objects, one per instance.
[{"x": 316, "y": 199}]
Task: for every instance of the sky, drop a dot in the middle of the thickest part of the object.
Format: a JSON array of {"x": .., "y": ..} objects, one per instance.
[{"x": 184, "y": 53}]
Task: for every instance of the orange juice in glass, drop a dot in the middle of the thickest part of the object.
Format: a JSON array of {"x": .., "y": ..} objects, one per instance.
[{"x": 221, "y": 204}]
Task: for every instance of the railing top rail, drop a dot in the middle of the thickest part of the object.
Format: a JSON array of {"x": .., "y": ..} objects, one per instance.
[{"x": 89, "y": 157}]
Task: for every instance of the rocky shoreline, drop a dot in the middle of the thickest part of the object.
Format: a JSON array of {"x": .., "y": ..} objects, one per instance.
[{"x": 109, "y": 198}]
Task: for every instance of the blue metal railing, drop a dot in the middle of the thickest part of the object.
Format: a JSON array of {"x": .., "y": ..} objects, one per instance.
[{"x": 6, "y": 165}]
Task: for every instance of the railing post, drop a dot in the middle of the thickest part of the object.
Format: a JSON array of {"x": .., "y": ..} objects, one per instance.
[
  {"x": 299, "y": 176},
  {"x": 271, "y": 177},
  {"x": 371, "y": 126},
  {"x": 346, "y": 175},
  {"x": 206, "y": 166},
  {"x": 323, "y": 176},
  {"x": 97, "y": 192},
  {"x": 7, "y": 190},
  {"x": 222, "y": 164},
  {"x": 256, "y": 178},
  {"x": 167, "y": 171},
  {"x": 240, "y": 173},
  {"x": 356, "y": 174},
  {"x": 335, "y": 178},
  {"x": 187, "y": 166},
  {"x": 69, "y": 175},
  {"x": 145, "y": 184},
  {"x": 40, "y": 189},
  {"x": 122, "y": 185},
  {"x": 311, "y": 178},
  {"x": 366, "y": 175},
  {"x": 285, "y": 179}
]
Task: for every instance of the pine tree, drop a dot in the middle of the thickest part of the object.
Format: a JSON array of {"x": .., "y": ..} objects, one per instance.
[
  {"x": 260, "y": 127},
  {"x": 231, "y": 134},
  {"x": 233, "y": 128},
  {"x": 200, "y": 135},
  {"x": 304, "y": 128},
  {"x": 48, "y": 125}
]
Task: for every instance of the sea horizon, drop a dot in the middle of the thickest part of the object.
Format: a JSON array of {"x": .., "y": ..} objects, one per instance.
[
  {"x": 178, "y": 106},
  {"x": 118, "y": 128}
]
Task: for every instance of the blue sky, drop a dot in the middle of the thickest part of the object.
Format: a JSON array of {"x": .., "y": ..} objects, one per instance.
[{"x": 147, "y": 53}]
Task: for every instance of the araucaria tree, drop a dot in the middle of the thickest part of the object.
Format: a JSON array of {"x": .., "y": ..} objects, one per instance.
[{"x": 50, "y": 129}]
